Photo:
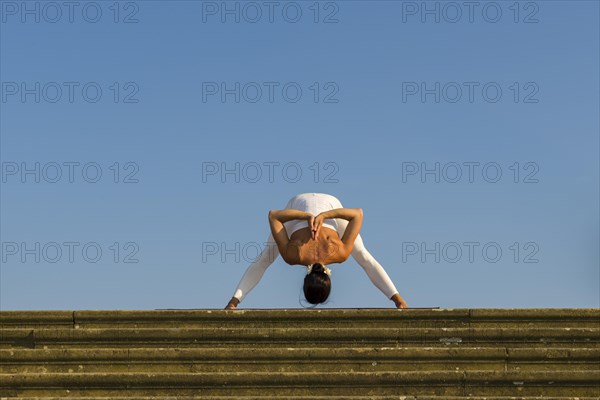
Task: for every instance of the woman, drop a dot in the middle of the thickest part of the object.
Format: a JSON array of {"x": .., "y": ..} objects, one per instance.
[{"x": 315, "y": 230}]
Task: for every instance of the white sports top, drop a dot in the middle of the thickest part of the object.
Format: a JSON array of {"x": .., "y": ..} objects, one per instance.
[{"x": 314, "y": 203}]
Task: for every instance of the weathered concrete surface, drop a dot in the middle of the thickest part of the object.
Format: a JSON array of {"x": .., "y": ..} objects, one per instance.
[
  {"x": 317, "y": 397},
  {"x": 331, "y": 353}
]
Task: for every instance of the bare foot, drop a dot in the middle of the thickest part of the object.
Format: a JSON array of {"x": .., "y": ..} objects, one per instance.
[
  {"x": 232, "y": 305},
  {"x": 399, "y": 301}
]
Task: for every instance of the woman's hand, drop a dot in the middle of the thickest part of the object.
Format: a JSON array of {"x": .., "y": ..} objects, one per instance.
[
  {"x": 317, "y": 222},
  {"x": 311, "y": 221}
]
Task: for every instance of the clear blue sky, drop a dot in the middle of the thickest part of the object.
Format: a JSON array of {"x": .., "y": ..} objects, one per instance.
[{"x": 409, "y": 110}]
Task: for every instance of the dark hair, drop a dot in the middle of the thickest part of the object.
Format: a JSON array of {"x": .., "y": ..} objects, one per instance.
[{"x": 317, "y": 285}]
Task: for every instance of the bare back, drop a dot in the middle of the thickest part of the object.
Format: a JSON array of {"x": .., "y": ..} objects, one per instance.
[
  {"x": 317, "y": 242},
  {"x": 302, "y": 249}
]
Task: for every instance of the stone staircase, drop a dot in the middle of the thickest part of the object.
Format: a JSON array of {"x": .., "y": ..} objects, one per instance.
[{"x": 423, "y": 354}]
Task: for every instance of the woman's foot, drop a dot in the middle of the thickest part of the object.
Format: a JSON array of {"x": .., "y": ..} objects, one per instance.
[
  {"x": 399, "y": 301},
  {"x": 232, "y": 305}
]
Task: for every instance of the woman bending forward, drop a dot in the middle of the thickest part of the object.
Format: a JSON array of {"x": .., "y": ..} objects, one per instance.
[{"x": 315, "y": 230}]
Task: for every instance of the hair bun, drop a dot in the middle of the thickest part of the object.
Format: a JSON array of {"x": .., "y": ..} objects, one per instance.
[{"x": 318, "y": 267}]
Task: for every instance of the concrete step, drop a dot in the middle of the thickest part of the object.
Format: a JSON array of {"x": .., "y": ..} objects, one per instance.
[
  {"x": 439, "y": 354},
  {"x": 322, "y": 337},
  {"x": 316, "y": 397},
  {"x": 297, "y": 359},
  {"x": 466, "y": 383},
  {"x": 332, "y": 318}
]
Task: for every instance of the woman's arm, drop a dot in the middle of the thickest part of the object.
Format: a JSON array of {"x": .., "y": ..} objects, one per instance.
[
  {"x": 354, "y": 216},
  {"x": 288, "y": 215},
  {"x": 276, "y": 220}
]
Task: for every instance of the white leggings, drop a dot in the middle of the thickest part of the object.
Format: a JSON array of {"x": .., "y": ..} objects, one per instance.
[{"x": 374, "y": 270}]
